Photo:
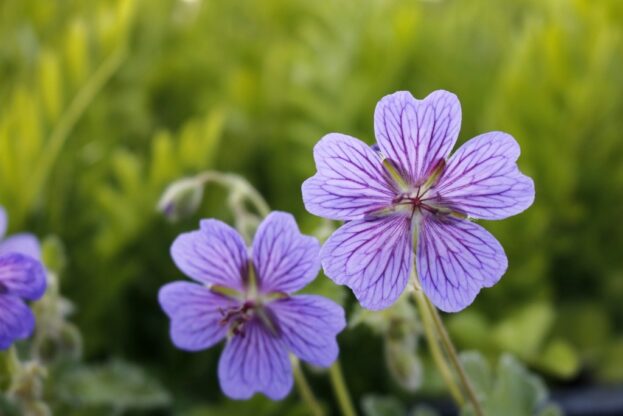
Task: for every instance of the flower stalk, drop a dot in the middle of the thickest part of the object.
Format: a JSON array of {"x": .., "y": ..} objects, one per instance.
[
  {"x": 454, "y": 357},
  {"x": 435, "y": 333},
  {"x": 304, "y": 388},
  {"x": 341, "y": 391},
  {"x": 434, "y": 346}
]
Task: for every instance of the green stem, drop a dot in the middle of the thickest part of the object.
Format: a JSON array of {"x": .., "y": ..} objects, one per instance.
[
  {"x": 433, "y": 345},
  {"x": 230, "y": 179},
  {"x": 341, "y": 391},
  {"x": 304, "y": 389},
  {"x": 454, "y": 357},
  {"x": 68, "y": 120}
]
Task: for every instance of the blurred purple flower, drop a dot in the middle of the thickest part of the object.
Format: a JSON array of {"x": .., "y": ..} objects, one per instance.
[
  {"x": 246, "y": 297},
  {"x": 405, "y": 193},
  {"x": 22, "y": 277}
]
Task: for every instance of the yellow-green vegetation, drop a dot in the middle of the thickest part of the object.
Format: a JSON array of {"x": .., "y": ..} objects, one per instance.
[{"x": 104, "y": 103}]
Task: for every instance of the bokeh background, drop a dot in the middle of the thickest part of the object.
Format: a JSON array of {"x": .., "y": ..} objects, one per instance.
[{"x": 104, "y": 103}]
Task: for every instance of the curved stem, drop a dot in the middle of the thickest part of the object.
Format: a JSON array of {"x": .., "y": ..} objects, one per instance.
[
  {"x": 229, "y": 179},
  {"x": 341, "y": 391},
  {"x": 433, "y": 344},
  {"x": 454, "y": 357},
  {"x": 304, "y": 389}
]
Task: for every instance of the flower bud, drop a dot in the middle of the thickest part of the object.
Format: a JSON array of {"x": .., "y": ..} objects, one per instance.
[{"x": 181, "y": 199}]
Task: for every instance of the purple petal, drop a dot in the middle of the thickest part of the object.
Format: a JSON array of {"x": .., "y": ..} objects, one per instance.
[
  {"x": 350, "y": 181},
  {"x": 216, "y": 254},
  {"x": 4, "y": 222},
  {"x": 22, "y": 276},
  {"x": 16, "y": 320},
  {"x": 195, "y": 313},
  {"x": 373, "y": 258},
  {"x": 455, "y": 259},
  {"x": 416, "y": 134},
  {"x": 285, "y": 260},
  {"x": 309, "y": 325},
  {"x": 482, "y": 178},
  {"x": 255, "y": 363},
  {"x": 24, "y": 243}
]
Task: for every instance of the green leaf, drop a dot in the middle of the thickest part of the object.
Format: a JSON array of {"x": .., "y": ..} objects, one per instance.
[
  {"x": 479, "y": 372},
  {"x": 258, "y": 405},
  {"x": 551, "y": 410},
  {"x": 382, "y": 406},
  {"x": 524, "y": 332},
  {"x": 117, "y": 385},
  {"x": 560, "y": 359},
  {"x": 424, "y": 410},
  {"x": 516, "y": 391}
]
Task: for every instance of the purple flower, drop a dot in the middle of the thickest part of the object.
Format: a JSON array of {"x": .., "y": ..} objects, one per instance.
[
  {"x": 22, "y": 277},
  {"x": 245, "y": 296},
  {"x": 407, "y": 194}
]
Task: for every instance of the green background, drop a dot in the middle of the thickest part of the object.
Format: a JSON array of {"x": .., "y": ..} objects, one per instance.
[{"x": 104, "y": 103}]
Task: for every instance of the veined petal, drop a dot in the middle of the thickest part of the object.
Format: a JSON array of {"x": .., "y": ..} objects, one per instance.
[
  {"x": 255, "y": 363},
  {"x": 16, "y": 320},
  {"x": 215, "y": 254},
  {"x": 284, "y": 259},
  {"x": 482, "y": 178},
  {"x": 455, "y": 259},
  {"x": 350, "y": 181},
  {"x": 309, "y": 325},
  {"x": 416, "y": 134},
  {"x": 373, "y": 258},
  {"x": 23, "y": 243},
  {"x": 22, "y": 276},
  {"x": 195, "y": 312}
]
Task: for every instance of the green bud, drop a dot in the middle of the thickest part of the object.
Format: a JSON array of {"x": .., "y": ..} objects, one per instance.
[
  {"x": 53, "y": 253},
  {"x": 181, "y": 199}
]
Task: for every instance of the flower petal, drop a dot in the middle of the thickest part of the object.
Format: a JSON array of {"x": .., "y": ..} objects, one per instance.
[
  {"x": 373, "y": 258},
  {"x": 195, "y": 313},
  {"x": 22, "y": 276},
  {"x": 216, "y": 254},
  {"x": 309, "y": 325},
  {"x": 255, "y": 363},
  {"x": 24, "y": 243},
  {"x": 455, "y": 259},
  {"x": 16, "y": 320},
  {"x": 285, "y": 260},
  {"x": 482, "y": 178},
  {"x": 350, "y": 181},
  {"x": 416, "y": 134}
]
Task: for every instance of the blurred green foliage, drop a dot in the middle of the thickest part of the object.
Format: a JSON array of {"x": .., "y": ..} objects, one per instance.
[{"x": 104, "y": 103}]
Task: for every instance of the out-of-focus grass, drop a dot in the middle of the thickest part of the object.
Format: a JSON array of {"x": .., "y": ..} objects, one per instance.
[{"x": 102, "y": 103}]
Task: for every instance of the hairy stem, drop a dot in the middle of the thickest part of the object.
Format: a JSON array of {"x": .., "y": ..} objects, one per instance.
[
  {"x": 228, "y": 180},
  {"x": 454, "y": 357},
  {"x": 433, "y": 345},
  {"x": 341, "y": 391},
  {"x": 304, "y": 389}
]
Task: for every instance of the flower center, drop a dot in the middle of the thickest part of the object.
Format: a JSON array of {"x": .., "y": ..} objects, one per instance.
[
  {"x": 237, "y": 317},
  {"x": 417, "y": 201},
  {"x": 252, "y": 307}
]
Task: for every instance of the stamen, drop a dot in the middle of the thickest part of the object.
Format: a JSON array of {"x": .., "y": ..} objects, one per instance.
[
  {"x": 434, "y": 175},
  {"x": 393, "y": 171}
]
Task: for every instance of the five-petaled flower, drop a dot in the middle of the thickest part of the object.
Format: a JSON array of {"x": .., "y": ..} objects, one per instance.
[
  {"x": 246, "y": 296},
  {"x": 22, "y": 277},
  {"x": 405, "y": 194}
]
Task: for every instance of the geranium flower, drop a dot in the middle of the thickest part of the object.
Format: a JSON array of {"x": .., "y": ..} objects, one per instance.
[
  {"x": 246, "y": 297},
  {"x": 22, "y": 278},
  {"x": 405, "y": 193}
]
